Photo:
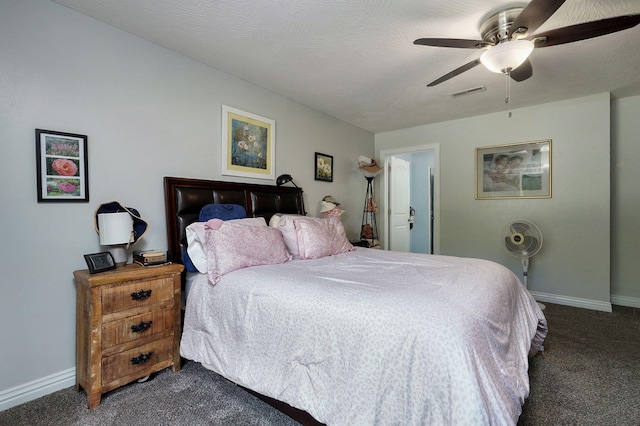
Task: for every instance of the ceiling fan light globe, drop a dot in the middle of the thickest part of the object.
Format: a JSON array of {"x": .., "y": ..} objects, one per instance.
[{"x": 508, "y": 55}]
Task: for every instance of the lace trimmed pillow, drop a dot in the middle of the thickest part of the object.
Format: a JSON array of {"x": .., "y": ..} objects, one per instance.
[{"x": 233, "y": 246}]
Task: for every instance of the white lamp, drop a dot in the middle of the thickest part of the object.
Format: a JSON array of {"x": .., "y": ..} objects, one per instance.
[
  {"x": 507, "y": 55},
  {"x": 116, "y": 230}
]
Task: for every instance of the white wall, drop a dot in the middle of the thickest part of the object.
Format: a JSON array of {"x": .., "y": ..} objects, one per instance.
[
  {"x": 573, "y": 266},
  {"x": 148, "y": 113},
  {"x": 625, "y": 201}
]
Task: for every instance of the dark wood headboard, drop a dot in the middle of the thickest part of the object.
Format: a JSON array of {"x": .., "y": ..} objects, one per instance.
[{"x": 185, "y": 197}]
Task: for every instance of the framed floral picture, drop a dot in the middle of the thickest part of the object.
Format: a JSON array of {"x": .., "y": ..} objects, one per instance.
[
  {"x": 61, "y": 164},
  {"x": 519, "y": 170},
  {"x": 324, "y": 167},
  {"x": 248, "y": 144}
]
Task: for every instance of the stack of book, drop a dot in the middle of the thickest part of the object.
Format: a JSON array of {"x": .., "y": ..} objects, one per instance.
[{"x": 149, "y": 257}]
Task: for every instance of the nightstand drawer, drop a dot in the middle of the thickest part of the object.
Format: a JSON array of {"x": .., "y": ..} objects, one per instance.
[
  {"x": 136, "y": 360},
  {"x": 138, "y": 293},
  {"x": 135, "y": 327}
]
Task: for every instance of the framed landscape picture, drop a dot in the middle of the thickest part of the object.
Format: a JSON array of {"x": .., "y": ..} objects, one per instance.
[
  {"x": 61, "y": 164},
  {"x": 248, "y": 144},
  {"x": 519, "y": 170}
]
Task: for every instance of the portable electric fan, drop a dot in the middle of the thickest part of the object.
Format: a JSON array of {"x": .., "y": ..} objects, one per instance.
[{"x": 522, "y": 239}]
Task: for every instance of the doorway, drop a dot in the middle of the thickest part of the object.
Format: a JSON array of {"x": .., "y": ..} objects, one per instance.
[{"x": 411, "y": 182}]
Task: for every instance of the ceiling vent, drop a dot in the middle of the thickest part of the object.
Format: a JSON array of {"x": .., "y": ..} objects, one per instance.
[{"x": 468, "y": 91}]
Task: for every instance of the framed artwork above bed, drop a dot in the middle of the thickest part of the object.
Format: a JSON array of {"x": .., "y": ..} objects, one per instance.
[
  {"x": 519, "y": 170},
  {"x": 248, "y": 144}
]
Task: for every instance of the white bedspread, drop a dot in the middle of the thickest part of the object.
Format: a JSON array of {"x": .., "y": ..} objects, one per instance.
[{"x": 373, "y": 337}]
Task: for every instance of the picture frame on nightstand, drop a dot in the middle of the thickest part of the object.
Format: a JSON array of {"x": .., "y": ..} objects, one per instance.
[{"x": 99, "y": 262}]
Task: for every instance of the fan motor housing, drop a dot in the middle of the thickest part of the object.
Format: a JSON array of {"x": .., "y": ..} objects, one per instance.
[{"x": 495, "y": 28}]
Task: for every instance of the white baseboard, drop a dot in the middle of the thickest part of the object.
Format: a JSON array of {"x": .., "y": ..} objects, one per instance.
[
  {"x": 596, "y": 305},
  {"x": 632, "y": 302},
  {"x": 37, "y": 388}
]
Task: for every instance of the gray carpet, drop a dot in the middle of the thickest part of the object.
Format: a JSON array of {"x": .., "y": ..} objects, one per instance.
[
  {"x": 588, "y": 375},
  {"x": 193, "y": 396}
]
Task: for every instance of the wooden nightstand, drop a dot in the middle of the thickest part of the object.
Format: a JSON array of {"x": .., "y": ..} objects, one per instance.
[{"x": 127, "y": 326}]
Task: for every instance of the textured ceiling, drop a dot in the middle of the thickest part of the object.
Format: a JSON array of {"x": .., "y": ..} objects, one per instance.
[{"x": 355, "y": 60}]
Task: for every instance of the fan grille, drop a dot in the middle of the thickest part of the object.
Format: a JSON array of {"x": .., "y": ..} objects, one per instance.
[{"x": 522, "y": 238}]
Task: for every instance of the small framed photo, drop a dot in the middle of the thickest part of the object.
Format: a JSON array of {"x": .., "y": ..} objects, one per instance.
[
  {"x": 248, "y": 144},
  {"x": 99, "y": 262},
  {"x": 61, "y": 164},
  {"x": 324, "y": 167},
  {"x": 519, "y": 170}
]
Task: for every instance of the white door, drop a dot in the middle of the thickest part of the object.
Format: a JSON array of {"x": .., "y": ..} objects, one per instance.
[
  {"x": 399, "y": 199},
  {"x": 414, "y": 153}
]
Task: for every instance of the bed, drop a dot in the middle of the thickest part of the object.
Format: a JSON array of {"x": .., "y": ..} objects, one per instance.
[{"x": 362, "y": 336}]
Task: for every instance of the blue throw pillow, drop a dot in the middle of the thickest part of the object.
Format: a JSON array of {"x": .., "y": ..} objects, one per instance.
[
  {"x": 222, "y": 212},
  {"x": 188, "y": 263}
]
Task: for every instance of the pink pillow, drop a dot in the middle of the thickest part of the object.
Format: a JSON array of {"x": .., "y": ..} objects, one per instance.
[
  {"x": 232, "y": 246},
  {"x": 196, "y": 240},
  {"x": 321, "y": 237}
]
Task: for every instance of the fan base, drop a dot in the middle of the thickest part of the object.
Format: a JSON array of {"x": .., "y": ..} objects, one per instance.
[{"x": 495, "y": 28}]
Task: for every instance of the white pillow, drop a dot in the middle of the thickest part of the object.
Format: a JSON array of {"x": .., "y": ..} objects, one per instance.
[
  {"x": 320, "y": 237},
  {"x": 286, "y": 227},
  {"x": 273, "y": 222},
  {"x": 196, "y": 240},
  {"x": 232, "y": 246}
]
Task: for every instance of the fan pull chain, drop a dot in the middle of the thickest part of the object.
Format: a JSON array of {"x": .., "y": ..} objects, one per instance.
[
  {"x": 508, "y": 83},
  {"x": 508, "y": 76}
]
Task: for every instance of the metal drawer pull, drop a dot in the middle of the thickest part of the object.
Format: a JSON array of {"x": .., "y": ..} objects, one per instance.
[
  {"x": 141, "y": 295},
  {"x": 141, "y": 359},
  {"x": 142, "y": 327}
]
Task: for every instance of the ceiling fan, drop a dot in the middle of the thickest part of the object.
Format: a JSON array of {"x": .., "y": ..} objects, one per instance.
[{"x": 508, "y": 38}]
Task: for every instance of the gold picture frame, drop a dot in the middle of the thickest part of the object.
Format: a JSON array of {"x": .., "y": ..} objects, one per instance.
[
  {"x": 248, "y": 144},
  {"x": 518, "y": 170}
]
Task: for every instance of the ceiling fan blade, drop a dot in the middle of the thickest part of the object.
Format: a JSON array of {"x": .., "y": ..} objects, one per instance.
[
  {"x": 585, "y": 31},
  {"x": 457, "y": 71},
  {"x": 523, "y": 72},
  {"x": 534, "y": 15},
  {"x": 452, "y": 42}
]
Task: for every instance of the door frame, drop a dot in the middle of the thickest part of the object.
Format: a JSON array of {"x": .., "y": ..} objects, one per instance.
[{"x": 385, "y": 156}]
